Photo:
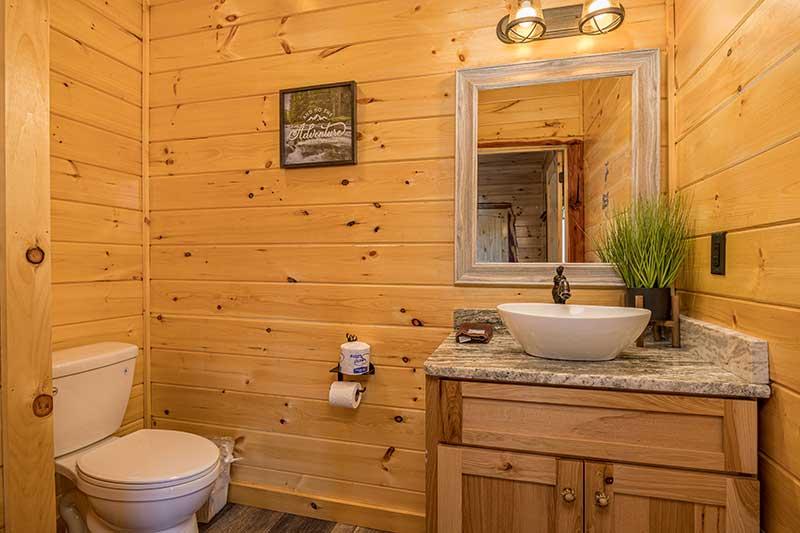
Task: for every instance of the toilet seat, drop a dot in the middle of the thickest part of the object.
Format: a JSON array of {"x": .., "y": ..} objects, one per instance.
[
  {"x": 148, "y": 465},
  {"x": 132, "y": 493}
]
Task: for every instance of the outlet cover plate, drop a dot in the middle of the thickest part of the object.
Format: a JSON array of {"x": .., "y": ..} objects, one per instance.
[{"x": 718, "y": 253}]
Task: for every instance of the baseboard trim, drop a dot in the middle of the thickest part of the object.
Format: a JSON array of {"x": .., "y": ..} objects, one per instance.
[{"x": 277, "y": 499}]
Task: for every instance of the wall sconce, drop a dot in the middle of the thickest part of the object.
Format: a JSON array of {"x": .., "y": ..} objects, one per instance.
[
  {"x": 601, "y": 16},
  {"x": 526, "y": 21},
  {"x": 523, "y": 24}
]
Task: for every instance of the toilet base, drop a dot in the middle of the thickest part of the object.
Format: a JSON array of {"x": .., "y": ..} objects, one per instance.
[{"x": 98, "y": 525}]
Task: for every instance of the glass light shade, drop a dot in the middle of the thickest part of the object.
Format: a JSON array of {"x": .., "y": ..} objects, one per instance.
[
  {"x": 601, "y": 16},
  {"x": 523, "y": 24}
]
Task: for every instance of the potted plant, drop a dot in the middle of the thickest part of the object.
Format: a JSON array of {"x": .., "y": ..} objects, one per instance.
[{"x": 647, "y": 244}]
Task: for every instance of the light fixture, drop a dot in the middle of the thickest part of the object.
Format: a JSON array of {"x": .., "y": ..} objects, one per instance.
[
  {"x": 601, "y": 16},
  {"x": 523, "y": 24}
]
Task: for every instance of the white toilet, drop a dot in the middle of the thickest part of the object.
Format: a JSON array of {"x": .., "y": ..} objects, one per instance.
[{"x": 148, "y": 481}]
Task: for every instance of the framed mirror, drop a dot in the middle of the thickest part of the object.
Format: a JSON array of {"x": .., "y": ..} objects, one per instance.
[{"x": 545, "y": 153}]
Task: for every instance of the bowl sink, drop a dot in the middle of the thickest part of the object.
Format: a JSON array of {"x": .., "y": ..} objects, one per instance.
[{"x": 574, "y": 332}]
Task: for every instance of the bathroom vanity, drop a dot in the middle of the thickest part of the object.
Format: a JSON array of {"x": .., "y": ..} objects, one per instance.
[{"x": 657, "y": 440}]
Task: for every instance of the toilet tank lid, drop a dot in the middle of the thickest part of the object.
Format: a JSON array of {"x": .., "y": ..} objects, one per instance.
[{"x": 90, "y": 357}]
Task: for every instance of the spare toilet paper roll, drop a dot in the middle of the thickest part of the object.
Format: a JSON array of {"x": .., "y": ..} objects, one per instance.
[
  {"x": 345, "y": 394},
  {"x": 354, "y": 358}
]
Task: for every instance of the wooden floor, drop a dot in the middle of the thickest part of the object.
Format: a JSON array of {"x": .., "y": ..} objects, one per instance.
[{"x": 240, "y": 519}]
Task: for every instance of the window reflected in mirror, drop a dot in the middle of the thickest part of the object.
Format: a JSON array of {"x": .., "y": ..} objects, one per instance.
[{"x": 554, "y": 161}]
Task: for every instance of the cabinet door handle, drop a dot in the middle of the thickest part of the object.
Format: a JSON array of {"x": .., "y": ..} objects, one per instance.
[
  {"x": 601, "y": 499},
  {"x": 568, "y": 495}
]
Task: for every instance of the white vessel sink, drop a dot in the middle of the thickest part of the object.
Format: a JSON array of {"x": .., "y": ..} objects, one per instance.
[{"x": 573, "y": 332}]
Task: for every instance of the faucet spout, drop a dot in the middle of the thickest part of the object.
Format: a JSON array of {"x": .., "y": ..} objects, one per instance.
[{"x": 561, "y": 289}]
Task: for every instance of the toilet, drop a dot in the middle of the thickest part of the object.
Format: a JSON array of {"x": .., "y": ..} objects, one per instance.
[{"x": 151, "y": 480}]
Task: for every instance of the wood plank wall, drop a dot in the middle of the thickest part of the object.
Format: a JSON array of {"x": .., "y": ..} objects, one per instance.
[
  {"x": 607, "y": 152},
  {"x": 96, "y": 159},
  {"x": 27, "y": 496},
  {"x": 738, "y": 123},
  {"x": 514, "y": 117},
  {"x": 257, "y": 273},
  {"x": 518, "y": 179},
  {"x": 534, "y": 113}
]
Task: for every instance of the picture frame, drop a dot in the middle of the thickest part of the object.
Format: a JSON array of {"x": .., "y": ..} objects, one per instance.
[{"x": 318, "y": 125}]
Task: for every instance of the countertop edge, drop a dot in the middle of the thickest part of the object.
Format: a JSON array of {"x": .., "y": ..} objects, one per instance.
[{"x": 589, "y": 381}]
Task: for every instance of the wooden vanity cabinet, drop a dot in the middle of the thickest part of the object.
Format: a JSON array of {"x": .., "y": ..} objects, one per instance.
[
  {"x": 498, "y": 491},
  {"x": 505, "y": 458}
]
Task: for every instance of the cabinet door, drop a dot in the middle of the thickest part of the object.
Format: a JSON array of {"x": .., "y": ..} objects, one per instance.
[
  {"x": 637, "y": 499},
  {"x": 488, "y": 491}
]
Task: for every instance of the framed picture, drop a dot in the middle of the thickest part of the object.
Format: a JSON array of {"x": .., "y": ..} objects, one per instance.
[{"x": 318, "y": 125}]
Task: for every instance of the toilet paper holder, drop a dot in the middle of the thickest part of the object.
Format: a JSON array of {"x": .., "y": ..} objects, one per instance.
[{"x": 340, "y": 375}]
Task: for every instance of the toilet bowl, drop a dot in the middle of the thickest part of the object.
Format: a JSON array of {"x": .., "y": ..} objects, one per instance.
[{"x": 149, "y": 481}]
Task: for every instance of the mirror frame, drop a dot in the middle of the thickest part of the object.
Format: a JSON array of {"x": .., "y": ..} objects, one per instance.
[{"x": 644, "y": 67}]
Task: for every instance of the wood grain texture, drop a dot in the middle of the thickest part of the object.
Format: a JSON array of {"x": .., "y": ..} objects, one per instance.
[
  {"x": 84, "y": 103},
  {"x": 81, "y": 182},
  {"x": 70, "y": 58},
  {"x": 123, "y": 329},
  {"x": 412, "y": 305},
  {"x": 357, "y": 223},
  {"x": 146, "y": 217},
  {"x": 661, "y": 501},
  {"x": 376, "y": 102},
  {"x": 97, "y": 193},
  {"x": 363, "y": 463},
  {"x": 292, "y": 339},
  {"x": 364, "y": 183},
  {"x": 375, "y": 496},
  {"x": 608, "y": 153},
  {"x": 482, "y": 491},
  {"x": 74, "y": 262},
  {"x": 96, "y": 300},
  {"x": 28, "y": 494},
  {"x": 296, "y": 283},
  {"x": 97, "y": 30},
  {"x": 411, "y": 56},
  {"x": 358, "y": 263},
  {"x": 391, "y": 386},
  {"x": 736, "y": 130},
  {"x": 433, "y": 436},
  {"x": 721, "y": 443},
  {"x": 325, "y": 508},
  {"x": 370, "y": 424},
  {"x": 780, "y": 491}
]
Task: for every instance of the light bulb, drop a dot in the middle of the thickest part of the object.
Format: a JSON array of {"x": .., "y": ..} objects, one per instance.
[
  {"x": 601, "y": 21},
  {"x": 524, "y": 22},
  {"x": 601, "y": 16}
]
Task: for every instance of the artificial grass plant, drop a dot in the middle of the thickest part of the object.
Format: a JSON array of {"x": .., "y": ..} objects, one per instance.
[{"x": 647, "y": 242}]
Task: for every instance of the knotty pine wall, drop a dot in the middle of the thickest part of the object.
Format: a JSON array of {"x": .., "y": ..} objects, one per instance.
[
  {"x": 606, "y": 152},
  {"x": 519, "y": 181},
  {"x": 531, "y": 114},
  {"x": 96, "y": 188},
  {"x": 513, "y": 117},
  {"x": 258, "y": 273},
  {"x": 737, "y": 152}
]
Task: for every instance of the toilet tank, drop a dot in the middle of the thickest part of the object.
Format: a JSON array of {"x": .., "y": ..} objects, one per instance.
[{"x": 91, "y": 387}]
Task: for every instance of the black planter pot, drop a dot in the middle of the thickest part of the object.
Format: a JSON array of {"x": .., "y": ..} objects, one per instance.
[{"x": 658, "y": 301}]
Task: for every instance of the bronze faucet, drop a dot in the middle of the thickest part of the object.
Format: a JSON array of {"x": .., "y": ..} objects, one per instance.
[{"x": 561, "y": 291}]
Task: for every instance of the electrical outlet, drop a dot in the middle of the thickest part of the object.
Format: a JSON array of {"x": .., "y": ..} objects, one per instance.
[{"x": 718, "y": 253}]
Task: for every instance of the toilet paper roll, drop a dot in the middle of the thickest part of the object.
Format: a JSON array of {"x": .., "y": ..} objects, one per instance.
[
  {"x": 345, "y": 394},
  {"x": 354, "y": 358}
]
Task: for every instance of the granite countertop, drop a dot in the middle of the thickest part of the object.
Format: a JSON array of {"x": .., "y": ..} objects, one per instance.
[{"x": 713, "y": 362}]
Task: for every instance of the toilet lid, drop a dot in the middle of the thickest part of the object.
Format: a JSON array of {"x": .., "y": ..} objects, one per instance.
[{"x": 150, "y": 456}]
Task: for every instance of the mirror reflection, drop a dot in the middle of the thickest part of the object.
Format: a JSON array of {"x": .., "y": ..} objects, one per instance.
[{"x": 554, "y": 160}]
